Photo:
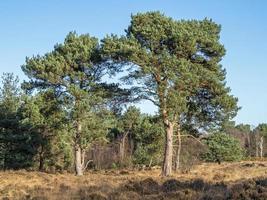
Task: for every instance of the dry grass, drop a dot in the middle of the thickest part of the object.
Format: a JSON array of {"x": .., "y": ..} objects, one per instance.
[
  {"x": 227, "y": 172},
  {"x": 126, "y": 184}
]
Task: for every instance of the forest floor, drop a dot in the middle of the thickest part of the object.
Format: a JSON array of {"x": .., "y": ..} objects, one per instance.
[{"x": 242, "y": 180}]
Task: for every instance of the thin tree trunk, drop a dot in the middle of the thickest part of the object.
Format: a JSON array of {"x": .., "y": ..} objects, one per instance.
[
  {"x": 122, "y": 146},
  {"x": 131, "y": 145},
  {"x": 261, "y": 147},
  {"x": 178, "y": 150},
  {"x": 5, "y": 155},
  {"x": 41, "y": 161},
  {"x": 167, "y": 164},
  {"x": 78, "y": 152},
  {"x": 257, "y": 149},
  {"x": 42, "y": 150},
  {"x": 150, "y": 163},
  {"x": 83, "y": 159},
  {"x": 249, "y": 144}
]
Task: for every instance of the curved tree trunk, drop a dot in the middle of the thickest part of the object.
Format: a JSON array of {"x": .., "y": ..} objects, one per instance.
[
  {"x": 122, "y": 148},
  {"x": 167, "y": 164}
]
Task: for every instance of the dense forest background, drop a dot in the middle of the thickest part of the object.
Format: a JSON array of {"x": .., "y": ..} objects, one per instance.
[{"x": 72, "y": 115}]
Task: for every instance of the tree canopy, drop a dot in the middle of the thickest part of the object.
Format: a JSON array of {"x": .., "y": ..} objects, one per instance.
[
  {"x": 176, "y": 65},
  {"x": 71, "y": 110},
  {"x": 73, "y": 70}
]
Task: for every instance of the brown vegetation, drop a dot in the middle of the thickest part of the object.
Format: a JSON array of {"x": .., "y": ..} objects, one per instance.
[{"x": 243, "y": 180}]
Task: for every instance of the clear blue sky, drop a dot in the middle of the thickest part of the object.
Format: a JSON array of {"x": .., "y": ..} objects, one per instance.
[{"x": 32, "y": 27}]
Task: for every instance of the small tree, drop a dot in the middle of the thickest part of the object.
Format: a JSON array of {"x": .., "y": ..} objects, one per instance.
[
  {"x": 43, "y": 115},
  {"x": 9, "y": 104},
  {"x": 16, "y": 143},
  {"x": 129, "y": 122},
  {"x": 223, "y": 147},
  {"x": 149, "y": 141},
  {"x": 260, "y": 135}
]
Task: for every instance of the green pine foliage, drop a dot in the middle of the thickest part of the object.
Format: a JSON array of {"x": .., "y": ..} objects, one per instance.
[
  {"x": 149, "y": 141},
  {"x": 262, "y": 129},
  {"x": 223, "y": 147},
  {"x": 176, "y": 65},
  {"x": 43, "y": 115},
  {"x": 73, "y": 71},
  {"x": 17, "y": 145},
  {"x": 69, "y": 101}
]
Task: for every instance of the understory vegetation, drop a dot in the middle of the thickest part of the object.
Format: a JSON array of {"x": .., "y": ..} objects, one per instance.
[{"x": 220, "y": 182}]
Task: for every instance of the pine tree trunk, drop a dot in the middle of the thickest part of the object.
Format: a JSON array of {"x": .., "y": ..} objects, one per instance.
[
  {"x": 178, "y": 150},
  {"x": 78, "y": 152},
  {"x": 78, "y": 161},
  {"x": 167, "y": 164}
]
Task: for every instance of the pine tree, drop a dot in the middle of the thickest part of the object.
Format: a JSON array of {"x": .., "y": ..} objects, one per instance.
[
  {"x": 44, "y": 115},
  {"x": 176, "y": 65},
  {"x": 73, "y": 70},
  {"x": 9, "y": 103},
  {"x": 16, "y": 144},
  {"x": 223, "y": 147}
]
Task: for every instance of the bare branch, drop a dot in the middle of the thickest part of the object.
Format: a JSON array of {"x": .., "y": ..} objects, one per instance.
[{"x": 87, "y": 164}]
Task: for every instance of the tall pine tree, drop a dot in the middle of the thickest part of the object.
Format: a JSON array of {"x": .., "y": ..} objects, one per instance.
[{"x": 176, "y": 65}]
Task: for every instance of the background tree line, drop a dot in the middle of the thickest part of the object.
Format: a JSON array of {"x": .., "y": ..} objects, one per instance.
[{"x": 70, "y": 104}]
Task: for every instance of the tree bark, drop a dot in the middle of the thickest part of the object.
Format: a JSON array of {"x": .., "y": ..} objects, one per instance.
[
  {"x": 78, "y": 152},
  {"x": 249, "y": 145},
  {"x": 41, "y": 161},
  {"x": 78, "y": 161},
  {"x": 122, "y": 146},
  {"x": 131, "y": 143},
  {"x": 257, "y": 150},
  {"x": 261, "y": 147},
  {"x": 178, "y": 150},
  {"x": 167, "y": 164}
]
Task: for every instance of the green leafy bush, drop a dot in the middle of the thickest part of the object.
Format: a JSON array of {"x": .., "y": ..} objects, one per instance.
[{"x": 223, "y": 147}]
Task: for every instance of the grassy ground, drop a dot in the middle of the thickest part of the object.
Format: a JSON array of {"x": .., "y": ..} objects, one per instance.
[{"x": 243, "y": 180}]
